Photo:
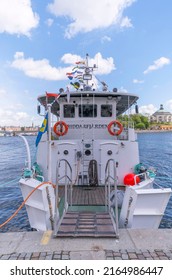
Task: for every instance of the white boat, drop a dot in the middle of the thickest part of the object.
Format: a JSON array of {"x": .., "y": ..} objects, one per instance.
[{"x": 88, "y": 179}]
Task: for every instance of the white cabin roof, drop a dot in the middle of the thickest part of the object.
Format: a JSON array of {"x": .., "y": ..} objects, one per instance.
[{"x": 124, "y": 100}]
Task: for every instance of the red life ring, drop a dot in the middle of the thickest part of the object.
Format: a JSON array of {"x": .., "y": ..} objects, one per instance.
[
  {"x": 62, "y": 130},
  {"x": 117, "y": 132}
]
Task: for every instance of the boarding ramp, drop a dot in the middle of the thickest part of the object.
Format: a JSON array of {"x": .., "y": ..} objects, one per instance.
[{"x": 86, "y": 220}]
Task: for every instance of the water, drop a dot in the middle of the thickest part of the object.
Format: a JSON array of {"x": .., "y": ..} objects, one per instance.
[{"x": 155, "y": 150}]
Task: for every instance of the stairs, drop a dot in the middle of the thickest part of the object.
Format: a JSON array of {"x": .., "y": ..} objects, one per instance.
[{"x": 86, "y": 224}]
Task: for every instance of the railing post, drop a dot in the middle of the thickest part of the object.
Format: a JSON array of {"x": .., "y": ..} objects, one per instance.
[
  {"x": 56, "y": 198},
  {"x": 107, "y": 191},
  {"x": 49, "y": 143},
  {"x": 66, "y": 188},
  {"x": 116, "y": 200},
  {"x": 109, "y": 187},
  {"x": 67, "y": 165}
]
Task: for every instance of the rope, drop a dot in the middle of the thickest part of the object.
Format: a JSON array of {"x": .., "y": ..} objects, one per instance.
[{"x": 23, "y": 203}]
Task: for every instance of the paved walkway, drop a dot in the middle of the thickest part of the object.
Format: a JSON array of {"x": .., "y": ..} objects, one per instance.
[
  {"x": 108, "y": 255},
  {"x": 133, "y": 244}
]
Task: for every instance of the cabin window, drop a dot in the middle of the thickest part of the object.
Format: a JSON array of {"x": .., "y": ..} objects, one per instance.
[
  {"x": 106, "y": 110},
  {"x": 88, "y": 110},
  {"x": 69, "y": 111}
]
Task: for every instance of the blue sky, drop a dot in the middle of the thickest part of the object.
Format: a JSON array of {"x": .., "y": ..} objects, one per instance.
[{"x": 131, "y": 40}]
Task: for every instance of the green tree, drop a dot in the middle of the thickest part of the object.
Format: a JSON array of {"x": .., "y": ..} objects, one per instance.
[
  {"x": 140, "y": 121},
  {"x": 140, "y": 126}
]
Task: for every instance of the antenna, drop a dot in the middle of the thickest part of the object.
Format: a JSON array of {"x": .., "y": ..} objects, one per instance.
[
  {"x": 105, "y": 86},
  {"x": 87, "y": 55},
  {"x": 87, "y": 76}
]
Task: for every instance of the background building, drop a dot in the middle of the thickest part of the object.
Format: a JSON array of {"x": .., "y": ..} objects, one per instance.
[{"x": 161, "y": 116}]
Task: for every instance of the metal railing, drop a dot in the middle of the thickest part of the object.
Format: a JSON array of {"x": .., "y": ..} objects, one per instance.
[
  {"x": 67, "y": 185},
  {"x": 144, "y": 175},
  {"x": 108, "y": 179},
  {"x": 127, "y": 126}
]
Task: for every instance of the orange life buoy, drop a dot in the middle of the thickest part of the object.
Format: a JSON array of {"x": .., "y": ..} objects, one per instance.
[
  {"x": 117, "y": 132},
  {"x": 60, "y": 128}
]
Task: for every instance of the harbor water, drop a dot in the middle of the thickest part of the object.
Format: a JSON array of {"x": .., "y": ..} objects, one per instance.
[{"x": 155, "y": 151}]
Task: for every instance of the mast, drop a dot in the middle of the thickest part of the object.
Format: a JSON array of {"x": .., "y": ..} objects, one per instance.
[
  {"x": 87, "y": 70},
  {"x": 49, "y": 142}
]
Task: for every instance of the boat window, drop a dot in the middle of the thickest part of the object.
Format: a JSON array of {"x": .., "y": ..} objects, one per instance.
[
  {"x": 106, "y": 110},
  {"x": 69, "y": 111},
  {"x": 87, "y": 111}
]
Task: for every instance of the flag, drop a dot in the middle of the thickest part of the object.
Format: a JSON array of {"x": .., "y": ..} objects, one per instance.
[
  {"x": 42, "y": 130},
  {"x": 80, "y": 62},
  {"x": 75, "y": 85},
  {"x": 71, "y": 73},
  {"x": 78, "y": 76},
  {"x": 74, "y": 68},
  {"x": 79, "y": 72},
  {"x": 70, "y": 77}
]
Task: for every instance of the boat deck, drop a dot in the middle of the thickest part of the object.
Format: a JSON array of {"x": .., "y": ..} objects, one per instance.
[
  {"x": 85, "y": 195},
  {"x": 87, "y": 216}
]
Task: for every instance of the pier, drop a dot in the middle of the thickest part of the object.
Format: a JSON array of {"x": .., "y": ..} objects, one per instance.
[{"x": 133, "y": 244}]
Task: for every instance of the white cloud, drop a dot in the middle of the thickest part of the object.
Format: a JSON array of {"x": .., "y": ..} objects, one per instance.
[
  {"x": 69, "y": 58},
  {"x": 43, "y": 70},
  {"x": 126, "y": 22},
  {"x": 2, "y": 92},
  {"x": 135, "y": 81},
  {"x": 16, "y": 114},
  {"x": 105, "y": 39},
  {"x": 90, "y": 15},
  {"x": 159, "y": 63},
  {"x": 38, "y": 68},
  {"x": 169, "y": 104},
  {"x": 147, "y": 109},
  {"x": 105, "y": 66},
  {"x": 122, "y": 89},
  {"x": 17, "y": 17},
  {"x": 49, "y": 21},
  {"x": 20, "y": 116},
  {"x": 10, "y": 116}
]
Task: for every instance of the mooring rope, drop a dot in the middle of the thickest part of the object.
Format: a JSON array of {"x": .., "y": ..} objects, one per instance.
[{"x": 23, "y": 203}]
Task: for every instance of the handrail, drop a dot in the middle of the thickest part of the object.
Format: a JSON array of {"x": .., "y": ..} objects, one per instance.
[
  {"x": 145, "y": 174},
  {"x": 28, "y": 151},
  {"x": 67, "y": 164},
  {"x": 138, "y": 175},
  {"x": 108, "y": 176},
  {"x": 67, "y": 181}
]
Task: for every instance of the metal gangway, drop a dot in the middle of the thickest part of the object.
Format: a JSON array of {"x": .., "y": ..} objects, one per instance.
[{"x": 85, "y": 223}]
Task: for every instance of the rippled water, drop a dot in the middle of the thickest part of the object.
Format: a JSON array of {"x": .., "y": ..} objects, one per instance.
[
  {"x": 12, "y": 162},
  {"x": 155, "y": 150}
]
